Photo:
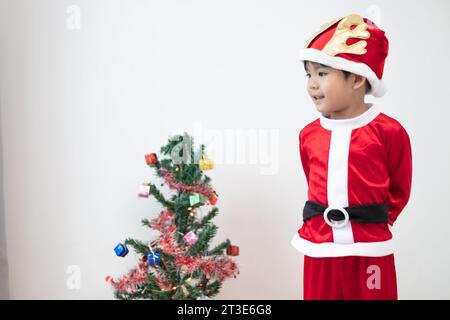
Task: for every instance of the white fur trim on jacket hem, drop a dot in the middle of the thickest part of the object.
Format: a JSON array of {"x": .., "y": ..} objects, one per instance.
[
  {"x": 314, "y": 55},
  {"x": 331, "y": 249}
]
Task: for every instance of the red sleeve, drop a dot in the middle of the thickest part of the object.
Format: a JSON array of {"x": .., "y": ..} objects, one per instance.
[
  {"x": 399, "y": 158},
  {"x": 303, "y": 157}
]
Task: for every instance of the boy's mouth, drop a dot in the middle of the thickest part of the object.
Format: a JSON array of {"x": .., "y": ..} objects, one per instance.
[{"x": 318, "y": 98}]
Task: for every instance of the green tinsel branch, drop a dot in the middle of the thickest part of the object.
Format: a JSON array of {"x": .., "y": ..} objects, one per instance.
[
  {"x": 218, "y": 250},
  {"x": 211, "y": 214},
  {"x": 158, "y": 196},
  {"x": 138, "y": 246}
]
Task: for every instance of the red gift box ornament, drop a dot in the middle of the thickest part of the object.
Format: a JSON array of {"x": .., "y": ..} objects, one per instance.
[
  {"x": 213, "y": 199},
  {"x": 233, "y": 250},
  {"x": 151, "y": 158}
]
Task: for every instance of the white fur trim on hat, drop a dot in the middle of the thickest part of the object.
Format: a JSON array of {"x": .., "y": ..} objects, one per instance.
[{"x": 377, "y": 86}]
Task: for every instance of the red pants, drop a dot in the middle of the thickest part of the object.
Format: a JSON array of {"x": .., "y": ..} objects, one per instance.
[{"x": 352, "y": 278}]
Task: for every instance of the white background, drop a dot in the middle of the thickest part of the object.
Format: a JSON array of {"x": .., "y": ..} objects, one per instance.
[{"x": 80, "y": 108}]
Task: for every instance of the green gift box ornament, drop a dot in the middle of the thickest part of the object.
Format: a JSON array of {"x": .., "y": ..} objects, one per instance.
[{"x": 194, "y": 199}]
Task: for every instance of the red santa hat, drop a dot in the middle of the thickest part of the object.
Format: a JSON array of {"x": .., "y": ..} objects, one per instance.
[{"x": 353, "y": 44}]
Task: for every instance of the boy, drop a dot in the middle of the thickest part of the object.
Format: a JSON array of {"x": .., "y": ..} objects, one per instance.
[{"x": 358, "y": 166}]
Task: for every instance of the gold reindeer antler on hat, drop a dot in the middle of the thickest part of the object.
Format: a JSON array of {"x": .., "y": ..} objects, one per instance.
[
  {"x": 338, "y": 42},
  {"x": 324, "y": 27}
]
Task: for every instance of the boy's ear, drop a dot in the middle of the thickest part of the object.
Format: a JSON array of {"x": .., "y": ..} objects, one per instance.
[{"x": 358, "y": 81}]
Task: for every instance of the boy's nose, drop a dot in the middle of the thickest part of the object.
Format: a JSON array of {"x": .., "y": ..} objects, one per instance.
[{"x": 313, "y": 85}]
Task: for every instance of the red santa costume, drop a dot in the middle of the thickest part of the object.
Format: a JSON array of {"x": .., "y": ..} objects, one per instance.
[{"x": 358, "y": 172}]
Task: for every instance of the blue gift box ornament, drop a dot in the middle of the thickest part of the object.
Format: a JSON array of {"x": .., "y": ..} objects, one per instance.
[
  {"x": 153, "y": 258},
  {"x": 121, "y": 250}
]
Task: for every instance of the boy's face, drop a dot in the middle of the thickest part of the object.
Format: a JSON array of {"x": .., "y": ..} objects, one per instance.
[{"x": 328, "y": 87}]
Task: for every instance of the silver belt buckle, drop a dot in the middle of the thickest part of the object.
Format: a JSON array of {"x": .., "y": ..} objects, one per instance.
[{"x": 333, "y": 223}]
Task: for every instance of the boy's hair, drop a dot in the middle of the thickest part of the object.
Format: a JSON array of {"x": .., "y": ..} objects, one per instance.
[{"x": 346, "y": 74}]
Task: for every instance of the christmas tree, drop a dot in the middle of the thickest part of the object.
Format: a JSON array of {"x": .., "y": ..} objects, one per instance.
[{"x": 179, "y": 263}]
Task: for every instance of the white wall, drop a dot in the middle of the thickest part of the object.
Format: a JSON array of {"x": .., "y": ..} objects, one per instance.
[
  {"x": 81, "y": 107},
  {"x": 4, "y": 281}
]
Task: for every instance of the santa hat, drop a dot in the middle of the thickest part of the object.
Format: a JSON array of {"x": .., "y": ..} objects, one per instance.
[{"x": 353, "y": 44}]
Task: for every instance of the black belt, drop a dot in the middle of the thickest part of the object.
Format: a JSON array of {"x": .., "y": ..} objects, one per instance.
[{"x": 368, "y": 213}]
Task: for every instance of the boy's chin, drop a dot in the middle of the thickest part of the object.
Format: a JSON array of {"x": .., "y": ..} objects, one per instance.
[{"x": 322, "y": 109}]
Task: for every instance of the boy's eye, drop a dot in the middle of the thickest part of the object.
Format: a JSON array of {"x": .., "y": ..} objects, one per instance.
[{"x": 322, "y": 73}]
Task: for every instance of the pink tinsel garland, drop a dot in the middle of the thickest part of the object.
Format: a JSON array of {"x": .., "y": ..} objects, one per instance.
[
  {"x": 128, "y": 283},
  {"x": 167, "y": 243},
  {"x": 163, "y": 221},
  {"x": 205, "y": 190},
  {"x": 220, "y": 268}
]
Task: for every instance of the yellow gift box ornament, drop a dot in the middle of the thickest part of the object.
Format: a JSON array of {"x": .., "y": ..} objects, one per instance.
[{"x": 205, "y": 163}]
